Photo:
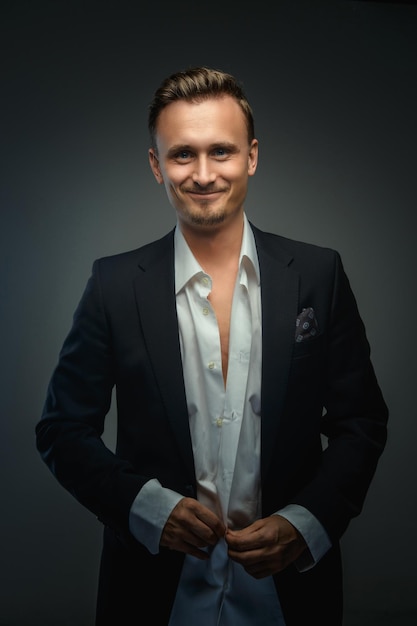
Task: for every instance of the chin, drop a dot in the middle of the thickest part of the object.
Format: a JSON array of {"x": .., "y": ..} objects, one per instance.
[
  {"x": 205, "y": 217},
  {"x": 208, "y": 220}
]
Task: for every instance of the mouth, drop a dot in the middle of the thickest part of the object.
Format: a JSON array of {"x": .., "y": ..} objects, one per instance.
[{"x": 203, "y": 192}]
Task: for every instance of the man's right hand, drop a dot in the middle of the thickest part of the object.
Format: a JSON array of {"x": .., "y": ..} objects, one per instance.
[{"x": 191, "y": 527}]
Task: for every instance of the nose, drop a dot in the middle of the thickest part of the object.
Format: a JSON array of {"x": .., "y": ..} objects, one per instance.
[{"x": 203, "y": 173}]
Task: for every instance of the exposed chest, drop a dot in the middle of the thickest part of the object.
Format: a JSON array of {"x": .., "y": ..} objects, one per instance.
[{"x": 221, "y": 298}]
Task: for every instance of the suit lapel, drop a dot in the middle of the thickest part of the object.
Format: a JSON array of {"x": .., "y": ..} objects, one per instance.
[
  {"x": 280, "y": 295},
  {"x": 155, "y": 297}
]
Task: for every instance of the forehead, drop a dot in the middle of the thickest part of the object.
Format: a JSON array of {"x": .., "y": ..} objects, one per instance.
[{"x": 213, "y": 120}]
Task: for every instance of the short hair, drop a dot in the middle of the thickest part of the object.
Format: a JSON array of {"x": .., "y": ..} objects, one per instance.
[{"x": 195, "y": 85}]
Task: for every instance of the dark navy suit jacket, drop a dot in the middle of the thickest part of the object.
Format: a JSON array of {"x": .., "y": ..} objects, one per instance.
[{"x": 125, "y": 337}]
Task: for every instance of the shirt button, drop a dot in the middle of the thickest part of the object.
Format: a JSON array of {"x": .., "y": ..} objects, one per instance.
[
  {"x": 205, "y": 280},
  {"x": 211, "y": 365},
  {"x": 219, "y": 422},
  {"x": 205, "y": 311}
]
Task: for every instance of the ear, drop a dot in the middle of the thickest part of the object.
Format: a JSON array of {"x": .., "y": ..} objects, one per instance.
[
  {"x": 253, "y": 157},
  {"x": 154, "y": 163}
]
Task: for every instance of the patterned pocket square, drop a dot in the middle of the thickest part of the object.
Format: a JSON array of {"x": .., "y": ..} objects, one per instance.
[{"x": 306, "y": 325}]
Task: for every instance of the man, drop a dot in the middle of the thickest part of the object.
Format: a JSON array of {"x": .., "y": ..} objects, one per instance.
[{"x": 232, "y": 352}]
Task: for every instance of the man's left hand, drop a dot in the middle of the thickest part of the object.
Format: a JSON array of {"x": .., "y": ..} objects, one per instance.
[{"x": 265, "y": 547}]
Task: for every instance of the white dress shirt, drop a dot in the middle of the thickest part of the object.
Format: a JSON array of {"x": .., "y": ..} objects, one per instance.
[{"x": 225, "y": 432}]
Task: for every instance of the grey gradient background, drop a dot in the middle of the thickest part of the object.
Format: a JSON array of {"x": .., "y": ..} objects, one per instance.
[{"x": 333, "y": 86}]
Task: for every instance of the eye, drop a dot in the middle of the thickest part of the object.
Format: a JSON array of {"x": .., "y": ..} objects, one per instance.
[
  {"x": 223, "y": 152},
  {"x": 183, "y": 155}
]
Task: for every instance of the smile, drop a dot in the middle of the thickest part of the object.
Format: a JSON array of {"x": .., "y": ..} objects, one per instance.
[{"x": 199, "y": 192}]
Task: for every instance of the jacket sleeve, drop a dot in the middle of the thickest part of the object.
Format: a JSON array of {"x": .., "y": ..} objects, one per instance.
[
  {"x": 68, "y": 436},
  {"x": 354, "y": 417}
]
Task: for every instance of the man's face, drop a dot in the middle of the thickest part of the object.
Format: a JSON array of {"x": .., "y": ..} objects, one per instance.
[{"x": 204, "y": 160}]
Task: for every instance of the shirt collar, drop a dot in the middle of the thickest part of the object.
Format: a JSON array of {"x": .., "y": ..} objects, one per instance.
[{"x": 186, "y": 265}]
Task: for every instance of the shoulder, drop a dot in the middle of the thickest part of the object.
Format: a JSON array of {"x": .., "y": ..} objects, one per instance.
[
  {"x": 293, "y": 252},
  {"x": 130, "y": 260}
]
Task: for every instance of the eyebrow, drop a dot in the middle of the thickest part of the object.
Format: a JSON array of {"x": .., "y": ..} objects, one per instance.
[{"x": 181, "y": 147}]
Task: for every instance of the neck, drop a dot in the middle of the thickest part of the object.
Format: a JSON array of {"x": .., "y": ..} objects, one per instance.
[{"x": 215, "y": 247}]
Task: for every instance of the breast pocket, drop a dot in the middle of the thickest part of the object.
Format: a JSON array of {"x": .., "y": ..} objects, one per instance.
[{"x": 308, "y": 348}]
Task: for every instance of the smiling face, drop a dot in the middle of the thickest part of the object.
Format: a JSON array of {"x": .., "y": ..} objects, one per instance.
[{"x": 204, "y": 160}]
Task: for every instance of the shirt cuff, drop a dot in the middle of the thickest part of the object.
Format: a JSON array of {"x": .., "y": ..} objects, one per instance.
[
  {"x": 314, "y": 535},
  {"x": 149, "y": 513}
]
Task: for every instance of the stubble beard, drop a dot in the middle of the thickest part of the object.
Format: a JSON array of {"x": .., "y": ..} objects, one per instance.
[{"x": 203, "y": 219}]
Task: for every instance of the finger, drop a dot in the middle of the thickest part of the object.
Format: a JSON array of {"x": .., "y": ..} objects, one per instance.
[
  {"x": 242, "y": 540},
  {"x": 192, "y": 506},
  {"x": 260, "y": 563},
  {"x": 189, "y": 548},
  {"x": 192, "y": 550},
  {"x": 183, "y": 540},
  {"x": 186, "y": 528},
  {"x": 211, "y": 521}
]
